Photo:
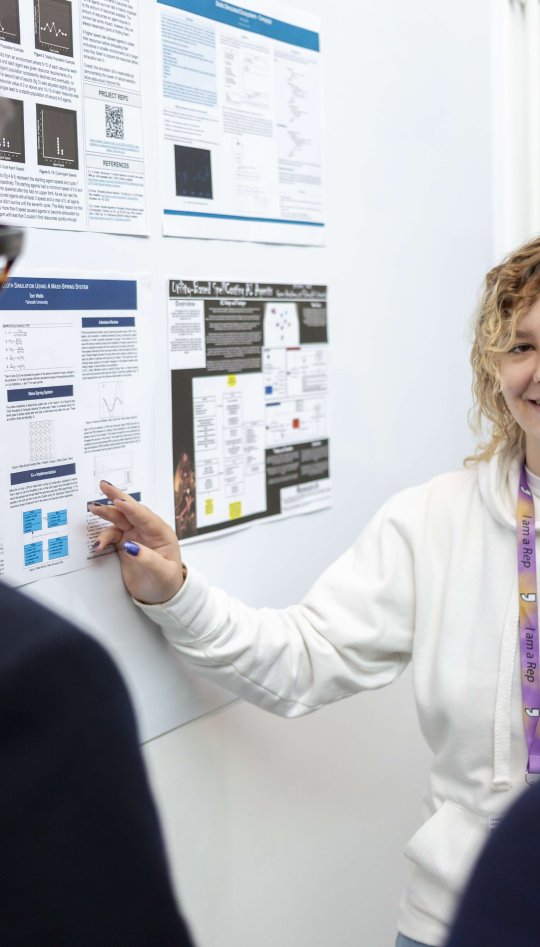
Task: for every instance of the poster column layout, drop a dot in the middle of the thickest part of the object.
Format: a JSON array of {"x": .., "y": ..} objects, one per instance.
[
  {"x": 71, "y": 147},
  {"x": 75, "y": 403},
  {"x": 249, "y": 389},
  {"x": 241, "y": 121}
]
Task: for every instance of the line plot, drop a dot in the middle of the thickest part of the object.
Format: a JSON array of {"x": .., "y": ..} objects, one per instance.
[
  {"x": 53, "y": 26},
  {"x": 111, "y": 399}
]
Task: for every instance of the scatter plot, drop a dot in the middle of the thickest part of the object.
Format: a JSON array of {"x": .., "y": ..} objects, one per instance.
[
  {"x": 57, "y": 136},
  {"x": 193, "y": 172},
  {"x": 12, "y": 135}
]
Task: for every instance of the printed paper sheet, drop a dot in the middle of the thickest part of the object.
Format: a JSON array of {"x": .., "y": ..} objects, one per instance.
[
  {"x": 76, "y": 399},
  {"x": 241, "y": 122},
  {"x": 249, "y": 389},
  {"x": 71, "y": 148}
]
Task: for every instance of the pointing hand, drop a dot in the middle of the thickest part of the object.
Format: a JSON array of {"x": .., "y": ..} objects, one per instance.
[{"x": 147, "y": 547}]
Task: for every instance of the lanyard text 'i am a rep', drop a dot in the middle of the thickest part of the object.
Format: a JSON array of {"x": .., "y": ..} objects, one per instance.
[{"x": 528, "y": 625}]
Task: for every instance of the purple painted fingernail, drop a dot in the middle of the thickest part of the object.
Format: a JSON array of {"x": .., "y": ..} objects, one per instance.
[
  {"x": 95, "y": 545},
  {"x": 132, "y": 548}
]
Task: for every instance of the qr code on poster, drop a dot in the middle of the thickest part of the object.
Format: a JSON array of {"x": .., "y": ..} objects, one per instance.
[{"x": 114, "y": 121}]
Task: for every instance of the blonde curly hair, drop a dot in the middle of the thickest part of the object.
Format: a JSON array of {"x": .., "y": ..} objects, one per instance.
[{"x": 510, "y": 290}]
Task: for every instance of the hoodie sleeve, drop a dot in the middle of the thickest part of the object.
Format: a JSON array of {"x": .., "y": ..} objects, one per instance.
[{"x": 353, "y": 630}]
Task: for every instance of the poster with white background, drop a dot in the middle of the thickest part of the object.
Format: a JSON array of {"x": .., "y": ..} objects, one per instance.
[
  {"x": 71, "y": 149},
  {"x": 240, "y": 106},
  {"x": 76, "y": 392}
]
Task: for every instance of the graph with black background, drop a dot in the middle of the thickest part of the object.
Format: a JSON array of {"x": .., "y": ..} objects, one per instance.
[
  {"x": 53, "y": 26},
  {"x": 12, "y": 135},
  {"x": 10, "y": 29},
  {"x": 57, "y": 137}
]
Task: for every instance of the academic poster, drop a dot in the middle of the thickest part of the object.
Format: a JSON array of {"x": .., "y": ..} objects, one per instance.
[
  {"x": 249, "y": 392},
  {"x": 76, "y": 391},
  {"x": 241, "y": 121},
  {"x": 71, "y": 148}
]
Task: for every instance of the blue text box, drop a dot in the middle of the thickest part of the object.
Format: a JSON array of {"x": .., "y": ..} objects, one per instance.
[
  {"x": 234, "y": 14},
  {"x": 57, "y": 518},
  {"x": 107, "y": 322},
  {"x": 104, "y": 501},
  {"x": 43, "y": 295},
  {"x": 33, "y": 553},
  {"x": 58, "y": 547},
  {"x": 42, "y": 473},
  {"x": 40, "y": 394},
  {"x": 32, "y": 521}
]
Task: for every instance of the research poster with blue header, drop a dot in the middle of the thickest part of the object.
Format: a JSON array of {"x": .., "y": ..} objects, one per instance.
[
  {"x": 241, "y": 122},
  {"x": 76, "y": 391}
]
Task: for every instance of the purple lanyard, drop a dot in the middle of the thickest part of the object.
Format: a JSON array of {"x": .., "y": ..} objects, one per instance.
[{"x": 528, "y": 624}]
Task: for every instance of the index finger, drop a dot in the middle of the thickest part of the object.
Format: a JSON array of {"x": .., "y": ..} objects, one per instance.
[
  {"x": 137, "y": 514},
  {"x": 112, "y": 492}
]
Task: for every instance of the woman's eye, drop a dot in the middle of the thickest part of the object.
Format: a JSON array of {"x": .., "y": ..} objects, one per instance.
[{"x": 519, "y": 349}]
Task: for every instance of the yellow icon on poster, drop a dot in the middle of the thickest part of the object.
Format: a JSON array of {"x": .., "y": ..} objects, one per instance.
[
  {"x": 209, "y": 507},
  {"x": 235, "y": 510},
  {"x": 231, "y": 381}
]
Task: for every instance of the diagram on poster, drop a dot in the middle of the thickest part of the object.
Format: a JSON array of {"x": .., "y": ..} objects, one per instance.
[
  {"x": 241, "y": 121},
  {"x": 249, "y": 389},
  {"x": 76, "y": 382},
  {"x": 71, "y": 149}
]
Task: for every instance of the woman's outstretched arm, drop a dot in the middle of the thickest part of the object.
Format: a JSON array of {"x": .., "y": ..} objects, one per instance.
[{"x": 353, "y": 631}]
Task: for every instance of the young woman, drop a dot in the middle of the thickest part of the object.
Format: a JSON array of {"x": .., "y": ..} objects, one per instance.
[{"x": 434, "y": 577}]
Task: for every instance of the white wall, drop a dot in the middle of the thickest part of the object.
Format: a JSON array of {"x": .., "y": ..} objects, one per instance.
[{"x": 290, "y": 832}]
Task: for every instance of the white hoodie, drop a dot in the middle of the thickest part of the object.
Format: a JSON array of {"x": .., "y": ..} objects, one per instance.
[{"x": 432, "y": 578}]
